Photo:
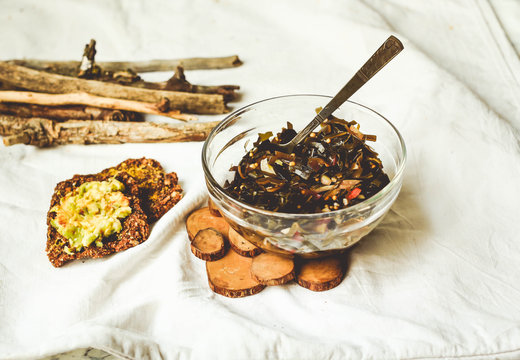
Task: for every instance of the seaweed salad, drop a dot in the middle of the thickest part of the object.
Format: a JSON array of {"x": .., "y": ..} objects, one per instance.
[{"x": 333, "y": 168}]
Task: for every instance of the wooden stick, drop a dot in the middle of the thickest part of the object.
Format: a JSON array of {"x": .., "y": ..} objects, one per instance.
[
  {"x": 70, "y": 68},
  {"x": 227, "y": 91},
  {"x": 5, "y": 86},
  {"x": 42, "y": 81},
  {"x": 178, "y": 82},
  {"x": 44, "y": 132},
  {"x": 27, "y": 97},
  {"x": 62, "y": 113}
]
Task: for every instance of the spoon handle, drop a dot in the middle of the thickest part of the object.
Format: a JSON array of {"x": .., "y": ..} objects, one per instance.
[{"x": 386, "y": 52}]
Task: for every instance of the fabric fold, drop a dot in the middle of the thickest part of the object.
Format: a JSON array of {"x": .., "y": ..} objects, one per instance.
[{"x": 436, "y": 279}]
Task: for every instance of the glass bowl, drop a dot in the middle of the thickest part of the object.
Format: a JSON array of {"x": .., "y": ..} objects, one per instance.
[{"x": 306, "y": 235}]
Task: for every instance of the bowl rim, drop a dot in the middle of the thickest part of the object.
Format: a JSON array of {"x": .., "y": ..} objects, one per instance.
[{"x": 352, "y": 209}]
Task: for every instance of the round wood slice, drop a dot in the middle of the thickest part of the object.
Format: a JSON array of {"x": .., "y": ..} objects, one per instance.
[
  {"x": 213, "y": 209},
  {"x": 321, "y": 274},
  {"x": 202, "y": 219},
  {"x": 272, "y": 269},
  {"x": 231, "y": 276},
  {"x": 208, "y": 245},
  {"x": 241, "y": 245}
]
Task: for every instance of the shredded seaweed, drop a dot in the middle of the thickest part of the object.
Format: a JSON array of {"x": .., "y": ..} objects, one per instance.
[{"x": 333, "y": 168}]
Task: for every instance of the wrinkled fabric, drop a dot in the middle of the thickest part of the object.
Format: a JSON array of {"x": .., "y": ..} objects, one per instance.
[{"x": 438, "y": 278}]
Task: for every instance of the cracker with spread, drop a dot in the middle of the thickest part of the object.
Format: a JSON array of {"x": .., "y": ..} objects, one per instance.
[{"x": 92, "y": 216}]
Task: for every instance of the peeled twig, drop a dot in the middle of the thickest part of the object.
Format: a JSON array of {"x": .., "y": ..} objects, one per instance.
[
  {"x": 90, "y": 100},
  {"x": 42, "y": 81},
  {"x": 70, "y": 68},
  {"x": 62, "y": 113},
  {"x": 44, "y": 132}
]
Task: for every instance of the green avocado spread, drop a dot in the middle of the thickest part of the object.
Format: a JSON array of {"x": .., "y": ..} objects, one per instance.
[{"x": 90, "y": 213}]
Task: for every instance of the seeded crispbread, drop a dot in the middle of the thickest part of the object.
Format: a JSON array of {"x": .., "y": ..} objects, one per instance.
[
  {"x": 135, "y": 227},
  {"x": 159, "y": 191}
]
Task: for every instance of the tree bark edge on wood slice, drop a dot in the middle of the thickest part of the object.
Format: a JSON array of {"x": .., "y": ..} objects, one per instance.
[
  {"x": 240, "y": 245},
  {"x": 231, "y": 276},
  {"x": 201, "y": 219},
  {"x": 213, "y": 208},
  {"x": 209, "y": 245},
  {"x": 321, "y": 274},
  {"x": 271, "y": 269}
]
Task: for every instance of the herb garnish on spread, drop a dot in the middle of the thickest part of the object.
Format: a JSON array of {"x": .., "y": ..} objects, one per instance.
[{"x": 331, "y": 169}]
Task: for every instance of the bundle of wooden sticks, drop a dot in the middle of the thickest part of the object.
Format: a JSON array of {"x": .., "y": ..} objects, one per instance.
[{"x": 47, "y": 103}]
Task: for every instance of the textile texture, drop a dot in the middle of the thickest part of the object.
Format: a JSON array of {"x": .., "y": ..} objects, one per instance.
[{"x": 438, "y": 278}]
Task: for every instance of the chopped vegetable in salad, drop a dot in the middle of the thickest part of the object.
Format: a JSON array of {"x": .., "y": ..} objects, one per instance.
[{"x": 333, "y": 168}]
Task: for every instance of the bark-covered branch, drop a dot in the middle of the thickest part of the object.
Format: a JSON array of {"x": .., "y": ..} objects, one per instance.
[
  {"x": 70, "y": 68},
  {"x": 44, "y": 132},
  {"x": 42, "y": 81},
  {"x": 62, "y": 113},
  {"x": 178, "y": 82}
]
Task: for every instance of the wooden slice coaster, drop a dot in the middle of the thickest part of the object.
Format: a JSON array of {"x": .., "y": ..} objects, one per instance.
[
  {"x": 208, "y": 245},
  {"x": 203, "y": 219},
  {"x": 231, "y": 276},
  {"x": 241, "y": 245},
  {"x": 321, "y": 274},
  {"x": 213, "y": 209},
  {"x": 272, "y": 269}
]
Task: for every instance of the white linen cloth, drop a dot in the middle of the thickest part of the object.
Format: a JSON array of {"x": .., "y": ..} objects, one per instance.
[{"x": 437, "y": 279}]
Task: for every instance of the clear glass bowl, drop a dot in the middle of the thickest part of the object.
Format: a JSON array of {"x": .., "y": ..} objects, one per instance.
[{"x": 306, "y": 235}]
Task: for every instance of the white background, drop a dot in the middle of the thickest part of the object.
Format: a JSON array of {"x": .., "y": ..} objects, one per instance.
[{"x": 438, "y": 278}]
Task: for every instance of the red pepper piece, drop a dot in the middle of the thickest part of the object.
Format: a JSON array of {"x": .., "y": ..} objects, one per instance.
[{"x": 354, "y": 194}]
